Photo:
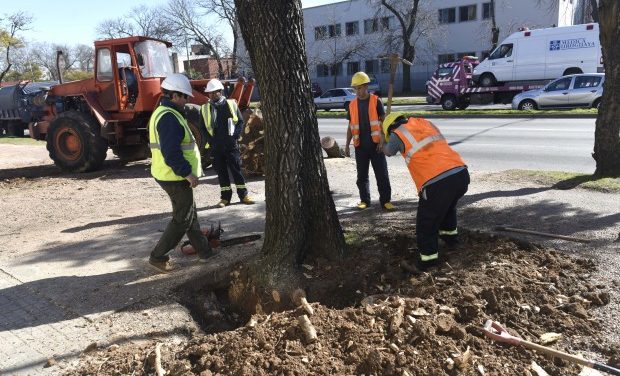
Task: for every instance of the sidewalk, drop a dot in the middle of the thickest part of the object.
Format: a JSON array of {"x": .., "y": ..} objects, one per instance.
[{"x": 82, "y": 282}]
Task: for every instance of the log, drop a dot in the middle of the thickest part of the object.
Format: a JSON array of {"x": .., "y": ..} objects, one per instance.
[
  {"x": 331, "y": 147},
  {"x": 251, "y": 144},
  {"x": 307, "y": 328},
  {"x": 158, "y": 369}
]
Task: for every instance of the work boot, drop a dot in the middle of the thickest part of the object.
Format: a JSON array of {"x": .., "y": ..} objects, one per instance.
[
  {"x": 223, "y": 203},
  {"x": 425, "y": 266},
  {"x": 389, "y": 206},
  {"x": 362, "y": 205},
  {"x": 162, "y": 266},
  {"x": 247, "y": 200},
  {"x": 449, "y": 243}
]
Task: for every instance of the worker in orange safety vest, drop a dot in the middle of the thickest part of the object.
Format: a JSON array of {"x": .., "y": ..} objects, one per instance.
[{"x": 441, "y": 178}]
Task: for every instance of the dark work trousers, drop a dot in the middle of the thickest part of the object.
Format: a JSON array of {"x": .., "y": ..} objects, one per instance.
[
  {"x": 223, "y": 161},
  {"x": 437, "y": 210},
  {"x": 184, "y": 221},
  {"x": 364, "y": 156}
]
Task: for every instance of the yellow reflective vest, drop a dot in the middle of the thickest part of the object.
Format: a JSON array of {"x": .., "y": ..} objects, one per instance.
[
  {"x": 205, "y": 109},
  {"x": 159, "y": 169}
]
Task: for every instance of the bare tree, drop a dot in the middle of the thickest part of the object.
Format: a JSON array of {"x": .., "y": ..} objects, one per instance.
[
  {"x": 185, "y": 17},
  {"x": 15, "y": 23},
  {"x": 225, "y": 11},
  {"x": 301, "y": 221},
  {"x": 44, "y": 55},
  {"x": 85, "y": 56},
  {"x": 416, "y": 23},
  {"x": 141, "y": 20},
  {"x": 607, "y": 132}
]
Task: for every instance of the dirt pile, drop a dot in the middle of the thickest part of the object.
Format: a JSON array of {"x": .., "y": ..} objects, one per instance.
[{"x": 375, "y": 318}]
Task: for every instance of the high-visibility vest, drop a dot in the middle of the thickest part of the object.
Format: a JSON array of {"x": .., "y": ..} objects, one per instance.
[
  {"x": 373, "y": 117},
  {"x": 159, "y": 169},
  {"x": 426, "y": 151},
  {"x": 205, "y": 109}
]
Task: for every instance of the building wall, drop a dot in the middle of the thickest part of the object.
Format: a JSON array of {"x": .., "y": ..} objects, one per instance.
[{"x": 448, "y": 38}]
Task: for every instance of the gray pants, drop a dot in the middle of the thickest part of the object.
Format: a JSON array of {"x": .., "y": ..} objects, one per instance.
[{"x": 184, "y": 221}]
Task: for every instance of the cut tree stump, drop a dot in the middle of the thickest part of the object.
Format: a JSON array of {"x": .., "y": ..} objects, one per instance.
[
  {"x": 251, "y": 144},
  {"x": 331, "y": 147}
]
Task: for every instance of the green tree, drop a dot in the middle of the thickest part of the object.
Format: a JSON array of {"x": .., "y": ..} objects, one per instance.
[
  {"x": 301, "y": 222},
  {"x": 9, "y": 41}
]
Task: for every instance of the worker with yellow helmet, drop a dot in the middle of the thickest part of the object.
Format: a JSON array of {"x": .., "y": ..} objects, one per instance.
[
  {"x": 365, "y": 114},
  {"x": 441, "y": 178}
]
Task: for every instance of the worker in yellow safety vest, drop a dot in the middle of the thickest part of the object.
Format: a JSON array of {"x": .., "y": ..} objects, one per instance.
[
  {"x": 441, "y": 178},
  {"x": 175, "y": 165},
  {"x": 223, "y": 123},
  {"x": 365, "y": 114}
]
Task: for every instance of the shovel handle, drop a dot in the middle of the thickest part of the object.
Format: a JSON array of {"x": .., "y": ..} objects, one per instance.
[{"x": 497, "y": 333}]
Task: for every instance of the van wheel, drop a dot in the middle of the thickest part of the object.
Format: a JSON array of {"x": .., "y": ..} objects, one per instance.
[
  {"x": 448, "y": 102},
  {"x": 487, "y": 79},
  {"x": 572, "y": 71},
  {"x": 597, "y": 104},
  {"x": 528, "y": 105}
]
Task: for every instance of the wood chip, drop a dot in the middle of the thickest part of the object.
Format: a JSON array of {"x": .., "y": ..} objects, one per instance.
[
  {"x": 307, "y": 275},
  {"x": 538, "y": 369},
  {"x": 462, "y": 361},
  {"x": 411, "y": 319},
  {"x": 307, "y": 267},
  {"x": 394, "y": 347},
  {"x": 419, "y": 312},
  {"x": 308, "y": 329},
  {"x": 587, "y": 371},
  {"x": 548, "y": 338},
  {"x": 480, "y": 369},
  {"x": 275, "y": 295}
]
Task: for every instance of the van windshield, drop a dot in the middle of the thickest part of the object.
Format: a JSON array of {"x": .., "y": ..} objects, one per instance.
[{"x": 505, "y": 50}]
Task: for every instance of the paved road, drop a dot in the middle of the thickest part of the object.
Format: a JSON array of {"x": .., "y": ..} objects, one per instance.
[{"x": 500, "y": 144}]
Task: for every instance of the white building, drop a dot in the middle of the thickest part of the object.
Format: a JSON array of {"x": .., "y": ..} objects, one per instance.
[{"x": 348, "y": 36}]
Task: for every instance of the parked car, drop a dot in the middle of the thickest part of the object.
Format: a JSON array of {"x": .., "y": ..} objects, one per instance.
[
  {"x": 316, "y": 90},
  {"x": 373, "y": 85},
  {"x": 576, "y": 90},
  {"x": 335, "y": 99}
]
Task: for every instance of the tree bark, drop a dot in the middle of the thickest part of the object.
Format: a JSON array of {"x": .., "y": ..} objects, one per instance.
[
  {"x": 301, "y": 218},
  {"x": 607, "y": 133}
]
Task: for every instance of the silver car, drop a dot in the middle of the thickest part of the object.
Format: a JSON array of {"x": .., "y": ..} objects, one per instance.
[
  {"x": 335, "y": 99},
  {"x": 576, "y": 90}
]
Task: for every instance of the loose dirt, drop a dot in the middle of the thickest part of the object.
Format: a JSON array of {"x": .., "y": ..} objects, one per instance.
[{"x": 374, "y": 317}]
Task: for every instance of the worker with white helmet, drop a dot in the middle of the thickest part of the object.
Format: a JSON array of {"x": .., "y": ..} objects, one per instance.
[
  {"x": 365, "y": 114},
  {"x": 223, "y": 123},
  {"x": 175, "y": 165}
]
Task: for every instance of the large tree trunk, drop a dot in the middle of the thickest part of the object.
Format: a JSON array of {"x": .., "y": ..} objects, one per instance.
[
  {"x": 607, "y": 133},
  {"x": 408, "y": 54},
  {"x": 301, "y": 222}
]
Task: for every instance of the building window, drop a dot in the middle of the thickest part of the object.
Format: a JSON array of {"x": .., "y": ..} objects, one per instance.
[
  {"x": 352, "y": 28},
  {"x": 487, "y": 10},
  {"x": 335, "y": 69},
  {"x": 385, "y": 23},
  {"x": 447, "y": 15},
  {"x": 334, "y": 30},
  {"x": 467, "y": 13},
  {"x": 463, "y": 54},
  {"x": 371, "y": 26},
  {"x": 320, "y": 32},
  {"x": 445, "y": 58},
  {"x": 385, "y": 65},
  {"x": 353, "y": 67},
  {"x": 372, "y": 66},
  {"x": 322, "y": 70}
]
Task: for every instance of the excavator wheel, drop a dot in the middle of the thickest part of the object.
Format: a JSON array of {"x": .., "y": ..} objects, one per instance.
[
  {"x": 74, "y": 142},
  {"x": 192, "y": 114}
]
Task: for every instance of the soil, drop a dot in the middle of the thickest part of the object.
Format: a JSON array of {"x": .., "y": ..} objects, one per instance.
[{"x": 375, "y": 315}]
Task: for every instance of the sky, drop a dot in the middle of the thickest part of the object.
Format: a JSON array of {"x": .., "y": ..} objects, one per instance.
[{"x": 74, "y": 21}]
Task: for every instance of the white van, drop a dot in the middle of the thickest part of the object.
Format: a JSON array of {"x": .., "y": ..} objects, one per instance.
[{"x": 542, "y": 54}]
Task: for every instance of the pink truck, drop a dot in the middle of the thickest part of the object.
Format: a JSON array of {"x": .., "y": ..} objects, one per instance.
[{"x": 452, "y": 85}]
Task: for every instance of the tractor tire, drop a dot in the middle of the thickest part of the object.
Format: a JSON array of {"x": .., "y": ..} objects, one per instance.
[
  {"x": 128, "y": 153},
  {"x": 74, "y": 142},
  {"x": 15, "y": 128},
  {"x": 448, "y": 102},
  {"x": 192, "y": 114}
]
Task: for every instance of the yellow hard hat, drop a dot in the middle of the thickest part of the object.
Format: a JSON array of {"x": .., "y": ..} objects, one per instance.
[
  {"x": 389, "y": 120},
  {"x": 359, "y": 78}
]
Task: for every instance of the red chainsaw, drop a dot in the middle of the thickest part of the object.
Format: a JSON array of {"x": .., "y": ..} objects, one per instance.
[{"x": 214, "y": 235}]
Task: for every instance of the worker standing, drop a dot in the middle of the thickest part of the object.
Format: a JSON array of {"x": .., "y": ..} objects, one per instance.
[
  {"x": 440, "y": 176},
  {"x": 175, "y": 165},
  {"x": 223, "y": 123},
  {"x": 365, "y": 114}
]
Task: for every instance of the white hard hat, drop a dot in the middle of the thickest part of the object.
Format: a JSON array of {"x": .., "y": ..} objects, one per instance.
[
  {"x": 214, "y": 85},
  {"x": 177, "y": 82}
]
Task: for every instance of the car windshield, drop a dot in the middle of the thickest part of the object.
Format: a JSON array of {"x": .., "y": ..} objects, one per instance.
[
  {"x": 153, "y": 59},
  {"x": 444, "y": 71},
  {"x": 350, "y": 91}
]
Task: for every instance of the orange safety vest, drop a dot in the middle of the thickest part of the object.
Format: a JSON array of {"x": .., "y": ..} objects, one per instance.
[
  {"x": 426, "y": 151},
  {"x": 373, "y": 118}
]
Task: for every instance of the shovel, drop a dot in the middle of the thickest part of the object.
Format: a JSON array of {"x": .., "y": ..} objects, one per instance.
[{"x": 497, "y": 333}]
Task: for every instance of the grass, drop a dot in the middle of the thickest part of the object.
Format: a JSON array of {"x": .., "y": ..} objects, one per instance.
[
  {"x": 487, "y": 112},
  {"x": 569, "y": 180},
  {"x": 395, "y": 101},
  {"x": 20, "y": 141}
]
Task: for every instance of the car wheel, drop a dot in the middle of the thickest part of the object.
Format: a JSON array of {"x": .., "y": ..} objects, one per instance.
[
  {"x": 528, "y": 105},
  {"x": 448, "y": 102},
  {"x": 487, "y": 80},
  {"x": 346, "y": 106}
]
